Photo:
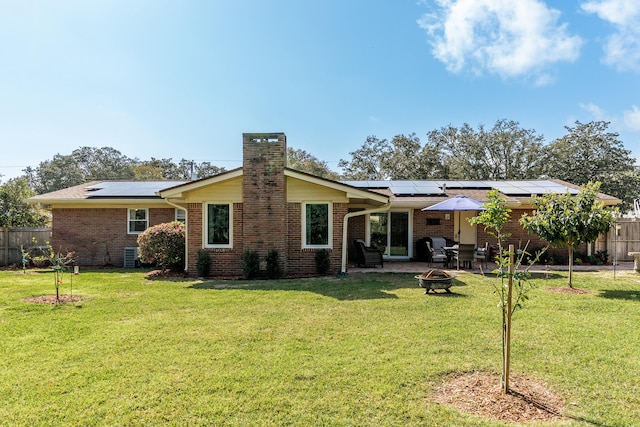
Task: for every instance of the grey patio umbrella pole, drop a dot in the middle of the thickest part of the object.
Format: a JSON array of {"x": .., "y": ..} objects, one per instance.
[{"x": 458, "y": 203}]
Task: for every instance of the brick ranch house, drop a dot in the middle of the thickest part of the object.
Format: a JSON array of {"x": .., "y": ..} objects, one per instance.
[{"x": 264, "y": 205}]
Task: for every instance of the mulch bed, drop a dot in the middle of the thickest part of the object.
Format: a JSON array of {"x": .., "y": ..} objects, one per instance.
[
  {"x": 480, "y": 393},
  {"x": 568, "y": 290},
  {"x": 51, "y": 299}
]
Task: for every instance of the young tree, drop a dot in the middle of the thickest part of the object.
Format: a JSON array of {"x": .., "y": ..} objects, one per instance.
[
  {"x": 566, "y": 220},
  {"x": 513, "y": 284}
]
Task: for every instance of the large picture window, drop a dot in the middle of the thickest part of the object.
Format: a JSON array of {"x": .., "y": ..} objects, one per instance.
[
  {"x": 138, "y": 221},
  {"x": 317, "y": 225},
  {"x": 219, "y": 225}
]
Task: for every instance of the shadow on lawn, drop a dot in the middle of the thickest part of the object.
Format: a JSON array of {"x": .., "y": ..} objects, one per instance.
[
  {"x": 629, "y": 295},
  {"x": 354, "y": 287}
]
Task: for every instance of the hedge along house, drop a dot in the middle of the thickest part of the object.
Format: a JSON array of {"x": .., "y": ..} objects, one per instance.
[{"x": 266, "y": 206}]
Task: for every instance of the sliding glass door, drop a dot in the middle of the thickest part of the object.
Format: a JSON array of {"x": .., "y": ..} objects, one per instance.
[{"x": 390, "y": 232}]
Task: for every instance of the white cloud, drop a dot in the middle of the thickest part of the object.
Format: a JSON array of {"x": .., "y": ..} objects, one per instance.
[
  {"x": 632, "y": 118},
  {"x": 504, "y": 37},
  {"x": 622, "y": 48},
  {"x": 596, "y": 112}
]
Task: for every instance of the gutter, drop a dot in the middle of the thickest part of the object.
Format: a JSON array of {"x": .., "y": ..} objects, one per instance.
[
  {"x": 343, "y": 270},
  {"x": 186, "y": 233}
]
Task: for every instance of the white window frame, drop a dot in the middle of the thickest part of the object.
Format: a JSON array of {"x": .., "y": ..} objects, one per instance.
[
  {"x": 205, "y": 228},
  {"x": 129, "y": 220},
  {"x": 182, "y": 218},
  {"x": 303, "y": 221}
]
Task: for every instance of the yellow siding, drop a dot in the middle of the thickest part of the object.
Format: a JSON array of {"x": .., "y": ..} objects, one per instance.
[
  {"x": 227, "y": 191},
  {"x": 300, "y": 191}
]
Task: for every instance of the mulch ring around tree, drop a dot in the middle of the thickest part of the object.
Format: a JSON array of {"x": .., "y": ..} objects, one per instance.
[
  {"x": 51, "y": 299},
  {"x": 480, "y": 393},
  {"x": 569, "y": 290}
]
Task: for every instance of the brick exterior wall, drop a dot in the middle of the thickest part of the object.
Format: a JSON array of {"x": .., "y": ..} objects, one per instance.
[
  {"x": 225, "y": 262},
  {"x": 264, "y": 193},
  {"x": 422, "y": 229},
  {"x": 302, "y": 261},
  {"x": 90, "y": 233}
]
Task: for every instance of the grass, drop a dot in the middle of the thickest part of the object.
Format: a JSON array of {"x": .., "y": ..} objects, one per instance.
[{"x": 365, "y": 350}]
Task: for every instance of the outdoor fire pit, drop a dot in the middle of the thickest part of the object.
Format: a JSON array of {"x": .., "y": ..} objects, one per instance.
[{"x": 435, "y": 279}]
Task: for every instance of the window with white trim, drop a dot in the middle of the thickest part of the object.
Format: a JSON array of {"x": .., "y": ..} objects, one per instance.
[
  {"x": 218, "y": 225},
  {"x": 138, "y": 220},
  {"x": 181, "y": 215},
  {"x": 317, "y": 226}
]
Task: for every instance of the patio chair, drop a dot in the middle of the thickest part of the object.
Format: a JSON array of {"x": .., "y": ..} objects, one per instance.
[
  {"x": 437, "y": 255},
  {"x": 368, "y": 256},
  {"x": 465, "y": 256},
  {"x": 482, "y": 254}
]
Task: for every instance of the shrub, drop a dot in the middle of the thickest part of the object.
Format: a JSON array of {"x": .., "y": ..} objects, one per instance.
[
  {"x": 273, "y": 266},
  {"x": 322, "y": 261},
  {"x": 163, "y": 245},
  {"x": 203, "y": 263},
  {"x": 250, "y": 264}
]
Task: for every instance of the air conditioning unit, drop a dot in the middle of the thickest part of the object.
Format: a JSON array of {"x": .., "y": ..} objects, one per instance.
[{"x": 130, "y": 257}]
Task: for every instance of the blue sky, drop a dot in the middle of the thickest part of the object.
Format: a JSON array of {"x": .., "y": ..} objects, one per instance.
[{"x": 185, "y": 79}]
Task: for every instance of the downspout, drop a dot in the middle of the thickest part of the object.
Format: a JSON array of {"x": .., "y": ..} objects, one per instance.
[
  {"x": 186, "y": 233},
  {"x": 345, "y": 224}
]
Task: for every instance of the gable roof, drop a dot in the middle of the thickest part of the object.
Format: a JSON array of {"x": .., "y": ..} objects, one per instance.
[
  {"x": 427, "y": 192},
  {"x": 407, "y": 193},
  {"x": 355, "y": 194},
  {"x": 106, "y": 191}
]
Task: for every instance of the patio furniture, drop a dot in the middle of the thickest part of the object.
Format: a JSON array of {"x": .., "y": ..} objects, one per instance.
[
  {"x": 465, "y": 255},
  {"x": 482, "y": 254},
  {"x": 437, "y": 255},
  {"x": 368, "y": 256}
]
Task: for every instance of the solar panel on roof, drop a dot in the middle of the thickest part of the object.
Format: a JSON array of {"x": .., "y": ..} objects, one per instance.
[{"x": 130, "y": 189}]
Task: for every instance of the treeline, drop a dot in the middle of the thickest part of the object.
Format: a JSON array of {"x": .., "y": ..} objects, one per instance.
[{"x": 506, "y": 151}]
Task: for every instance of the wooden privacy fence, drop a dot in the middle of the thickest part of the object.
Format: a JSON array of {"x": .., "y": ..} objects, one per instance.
[
  {"x": 13, "y": 238},
  {"x": 622, "y": 238}
]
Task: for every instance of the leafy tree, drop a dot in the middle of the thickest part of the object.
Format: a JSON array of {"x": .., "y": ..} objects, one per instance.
[
  {"x": 566, "y": 221},
  {"x": 506, "y": 151},
  {"x": 514, "y": 283},
  {"x": 202, "y": 170},
  {"x": 368, "y": 161},
  {"x": 103, "y": 163},
  {"x": 14, "y": 211},
  {"x": 50, "y": 175},
  {"x": 146, "y": 172},
  {"x": 589, "y": 152},
  {"x": 82, "y": 165},
  {"x": 163, "y": 245},
  {"x": 408, "y": 159},
  {"x": 155, "y": 170},
  {"x": 302, "y": 161}
]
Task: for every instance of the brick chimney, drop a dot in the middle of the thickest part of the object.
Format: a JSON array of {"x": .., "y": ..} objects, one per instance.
[{"x": 264, "y": 194}]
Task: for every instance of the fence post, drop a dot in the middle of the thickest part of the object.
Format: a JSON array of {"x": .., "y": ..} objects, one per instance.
[{"x": 5, "y": 245}]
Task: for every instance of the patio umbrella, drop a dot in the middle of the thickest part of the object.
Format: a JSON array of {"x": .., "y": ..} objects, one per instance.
[{"x": 457, "y": 203}]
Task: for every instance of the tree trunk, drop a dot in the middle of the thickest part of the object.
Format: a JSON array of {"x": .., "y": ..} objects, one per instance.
[
  {"x": 507, "y": 337},
  {"x": 571, "y": 266}
]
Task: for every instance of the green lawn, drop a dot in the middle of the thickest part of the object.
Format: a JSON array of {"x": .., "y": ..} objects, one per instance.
[{"x": 367, "y": 350}]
